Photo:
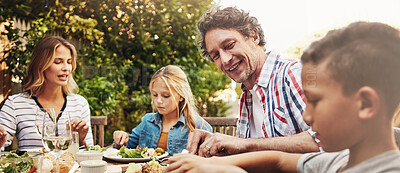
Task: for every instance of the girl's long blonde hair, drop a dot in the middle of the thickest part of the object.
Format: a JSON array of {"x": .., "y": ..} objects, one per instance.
[
  {"x": 176, "y": 81},
  {"x": 42, "y": 58}
]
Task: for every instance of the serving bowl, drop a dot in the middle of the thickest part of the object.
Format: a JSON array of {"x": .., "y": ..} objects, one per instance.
[{"x": 88, "y": 155}]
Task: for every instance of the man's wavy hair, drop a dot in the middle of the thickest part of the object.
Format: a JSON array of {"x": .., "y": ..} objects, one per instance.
[{"x": 228, "y": 18}]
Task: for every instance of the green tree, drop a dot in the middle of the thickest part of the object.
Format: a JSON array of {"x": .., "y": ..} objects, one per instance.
[
  {"x": 121, "y": 44},
  {"x": 152, "y": 34}
]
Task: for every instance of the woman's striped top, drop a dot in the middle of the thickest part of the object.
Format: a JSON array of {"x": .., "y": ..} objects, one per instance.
[{"x": 17, "y": 116}]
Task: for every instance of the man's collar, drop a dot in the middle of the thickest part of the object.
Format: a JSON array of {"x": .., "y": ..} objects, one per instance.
[{"x": 265, "y": 76}]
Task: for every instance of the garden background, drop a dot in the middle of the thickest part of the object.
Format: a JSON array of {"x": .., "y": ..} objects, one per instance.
[{"x": 120, "y": 43}]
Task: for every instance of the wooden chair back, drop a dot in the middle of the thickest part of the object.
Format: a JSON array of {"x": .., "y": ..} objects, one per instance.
[
  {"x": 223, "y": 125},
  {"x": 98, "y": 123}
]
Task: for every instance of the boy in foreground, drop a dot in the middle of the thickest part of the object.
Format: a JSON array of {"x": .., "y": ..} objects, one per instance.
[{"x": 350, "y": 80}]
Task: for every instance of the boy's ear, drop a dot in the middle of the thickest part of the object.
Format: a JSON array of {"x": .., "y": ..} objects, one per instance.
[{"x": 369, "y": 102}]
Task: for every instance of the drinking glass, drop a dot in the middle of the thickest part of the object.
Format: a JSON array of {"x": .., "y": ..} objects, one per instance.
[
  {"x": 59, "y": 138},
  {"x": 74, "y": 144},
  {"x": 42, "y": 115}
]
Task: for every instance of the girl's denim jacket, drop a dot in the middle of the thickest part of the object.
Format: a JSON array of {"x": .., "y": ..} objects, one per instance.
[{"x": 147, "y": 133}]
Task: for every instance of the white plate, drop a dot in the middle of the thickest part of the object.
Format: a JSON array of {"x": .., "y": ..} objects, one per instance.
[
  {"x": 111, "y": 154},
  {"x": 33, "y": 150}
]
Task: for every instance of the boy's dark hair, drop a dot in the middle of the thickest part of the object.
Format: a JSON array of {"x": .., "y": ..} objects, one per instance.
[
  {"x": 228, "y": 18},
  {"x": 361, "y": 54}
]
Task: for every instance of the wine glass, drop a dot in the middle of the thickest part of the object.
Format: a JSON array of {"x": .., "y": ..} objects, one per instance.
[
  {"x": 57, "y": 134},
  {"x": 44, "y": 115},
  {"x": 74, "y": 148},
  {"x": 41, "y": 115}
]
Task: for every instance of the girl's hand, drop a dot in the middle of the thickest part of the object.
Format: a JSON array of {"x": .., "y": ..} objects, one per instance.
[
  {"x": 120, "y": 138},
  {"x": 80, "y": 126},
  {"x": 3, "y": 136}
]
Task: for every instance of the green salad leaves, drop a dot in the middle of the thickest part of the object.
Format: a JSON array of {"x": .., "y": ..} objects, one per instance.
[
  {"x": 95, "y": 148},
  {"x": 13, "y": 163},
  {"x": 133, "y": 153},
  {"x": 140, "y": 152}
]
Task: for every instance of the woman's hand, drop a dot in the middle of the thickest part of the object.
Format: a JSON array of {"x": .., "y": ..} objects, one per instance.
[
  {"x": 82, "y": 128},
  {"x": 3, "y": 136},
  {"x": 120, "y": 138}
]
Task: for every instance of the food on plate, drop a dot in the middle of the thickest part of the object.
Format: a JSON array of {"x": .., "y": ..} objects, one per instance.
[
  {"x": 12, "y": 163},
  {"x": 160, "y": 151},
  {"x": 140, "y": 152},
  {"x": 66, "y": 162},
  {"x": 95, "y": 148},
  {"x": 149, "y": 167},
  {"x": 112, "y": 152},
  {"x": 67, "y": 156}
]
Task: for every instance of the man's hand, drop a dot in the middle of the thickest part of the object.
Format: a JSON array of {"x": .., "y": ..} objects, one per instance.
[
  {"x": 207, "y": 144},
  {"x": 195, "y": 139},
  {"x": 120, "y": 138},
  {"x": 3, "y": 136},
  {"x": 81, "y": 127}
]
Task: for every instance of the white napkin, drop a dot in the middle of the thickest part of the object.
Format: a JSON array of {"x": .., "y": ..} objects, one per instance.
[{"x": 74, "y": 168}]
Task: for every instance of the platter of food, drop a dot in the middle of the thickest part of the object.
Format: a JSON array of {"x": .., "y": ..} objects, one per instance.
[
  {"x": 126, "y": 155},
  {"x": 148, "y": 167}
]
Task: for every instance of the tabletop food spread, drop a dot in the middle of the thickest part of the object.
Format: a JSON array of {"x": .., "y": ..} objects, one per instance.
[
  {"x": 140, "y": 160},
  {"x": 149, "y": 167}
]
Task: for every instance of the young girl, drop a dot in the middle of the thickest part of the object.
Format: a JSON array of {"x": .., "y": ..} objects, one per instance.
[
  {"x": 48, "y": 84},
  {"x": 176, "y": 117}
]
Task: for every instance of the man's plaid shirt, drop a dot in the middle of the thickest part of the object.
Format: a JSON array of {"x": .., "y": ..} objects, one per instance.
[{"x": 279, "y": 89}]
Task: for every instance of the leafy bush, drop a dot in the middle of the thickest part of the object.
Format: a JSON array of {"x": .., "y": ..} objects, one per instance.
[{"x": 121, "y": 44}]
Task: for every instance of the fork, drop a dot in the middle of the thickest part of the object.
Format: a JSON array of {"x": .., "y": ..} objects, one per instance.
[{"x": 162, "y": 160}]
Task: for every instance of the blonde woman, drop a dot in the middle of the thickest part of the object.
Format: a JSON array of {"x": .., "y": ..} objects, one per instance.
[
  {"x": 176, "y": 117},
  {"x": 48, "y": 84}
]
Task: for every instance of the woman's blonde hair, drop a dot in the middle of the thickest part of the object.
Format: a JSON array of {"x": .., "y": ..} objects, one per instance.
[
  {"x": 42, "y": 58},
  {"x": 176, "y": 81}
]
